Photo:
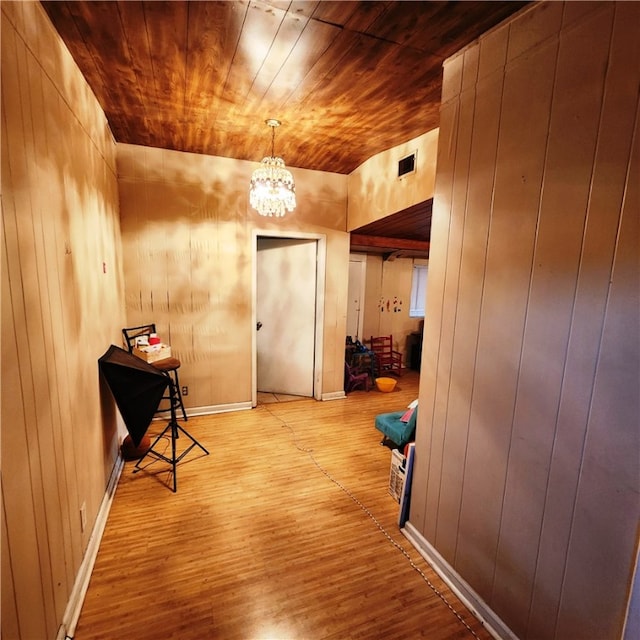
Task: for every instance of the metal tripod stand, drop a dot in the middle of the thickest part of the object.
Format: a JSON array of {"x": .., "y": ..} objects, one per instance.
[{"x": 175, "y": 430}]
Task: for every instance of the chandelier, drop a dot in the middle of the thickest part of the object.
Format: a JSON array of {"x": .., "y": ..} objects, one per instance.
[{"x": 272, "y": 190}]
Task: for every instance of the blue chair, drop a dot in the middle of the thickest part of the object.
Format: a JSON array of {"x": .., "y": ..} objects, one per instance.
[{"x": 393, "y": 428}]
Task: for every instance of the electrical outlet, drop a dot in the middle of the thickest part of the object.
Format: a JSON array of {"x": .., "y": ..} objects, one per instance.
[
  {"x": 185, "y": 391},
  {"x": 83, "y": 516}
]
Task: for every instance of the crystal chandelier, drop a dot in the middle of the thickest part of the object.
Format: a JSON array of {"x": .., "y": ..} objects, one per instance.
[{"x": 272, "y": 188}]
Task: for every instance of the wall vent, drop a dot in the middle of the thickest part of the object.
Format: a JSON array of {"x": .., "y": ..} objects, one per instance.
[{"x": 407, "y": 165}]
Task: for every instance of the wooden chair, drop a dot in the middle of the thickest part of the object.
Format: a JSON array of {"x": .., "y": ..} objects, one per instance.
[
  {"x": 388, "y": 361},
  {"x": 168, "y": 366}
]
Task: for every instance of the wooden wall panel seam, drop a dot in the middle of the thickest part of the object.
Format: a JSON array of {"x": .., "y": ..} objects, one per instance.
[
  {"x": 50, "y": 431},
  {"x": 453, "y": 268},
  {"x": 572, "y": 332},
  {"x": 436, "y": 279},
  {"x": 602, "y": 151},
  {"x": 584, "y": 459},
  {"x": 40, "y": 189},
  {"x": 518, "y": 390},
  {"x": 32, "y": 325},
  {"x": 482, "y": 279}
]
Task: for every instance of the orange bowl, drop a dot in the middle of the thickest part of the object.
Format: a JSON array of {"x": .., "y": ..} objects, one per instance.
[{"x": 386, "y": 384}]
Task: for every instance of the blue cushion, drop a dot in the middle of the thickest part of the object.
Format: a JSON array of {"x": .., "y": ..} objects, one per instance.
[{"x": 393, "y": 428}]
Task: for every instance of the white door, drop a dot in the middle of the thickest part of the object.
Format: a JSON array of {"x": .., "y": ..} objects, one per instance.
[
  {"x": 355, "y": 310},
  {"x": 285, "y": 315}
]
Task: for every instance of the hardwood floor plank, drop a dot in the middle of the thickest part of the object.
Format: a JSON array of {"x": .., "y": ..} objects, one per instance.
[{"x": 268, "y": 537}]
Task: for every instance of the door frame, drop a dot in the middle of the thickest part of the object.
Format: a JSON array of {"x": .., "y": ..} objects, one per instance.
[
  {"x": 362, "y": 259},
  {"x": 321, "y": 259}
]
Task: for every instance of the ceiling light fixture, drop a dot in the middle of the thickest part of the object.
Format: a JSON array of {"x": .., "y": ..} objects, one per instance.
[{"x": 272, "y": 190}]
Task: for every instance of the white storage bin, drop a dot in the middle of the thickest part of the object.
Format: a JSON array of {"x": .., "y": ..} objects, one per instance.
[{"x": 397, "y": 475}]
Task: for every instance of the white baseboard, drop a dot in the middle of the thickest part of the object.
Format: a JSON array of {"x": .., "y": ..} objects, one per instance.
[
  {"x": 207, "y": 410},
  {"x": 334, "y": 395},
  {"x": 81, "y": 584},
  {"x": 480, "y": 609}
]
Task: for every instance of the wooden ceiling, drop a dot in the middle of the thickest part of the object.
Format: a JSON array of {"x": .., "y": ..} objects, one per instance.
[
  {"x": 346, "y": 79},
  {"x": 405, "y": 234}
]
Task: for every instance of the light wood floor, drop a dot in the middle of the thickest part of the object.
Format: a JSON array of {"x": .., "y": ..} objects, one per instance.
[{"x": 262, "y": 542}]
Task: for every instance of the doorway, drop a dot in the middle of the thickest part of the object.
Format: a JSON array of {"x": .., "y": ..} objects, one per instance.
[
  {"x": 356, "y": 291},
  {"x": 288, "y": 311}
]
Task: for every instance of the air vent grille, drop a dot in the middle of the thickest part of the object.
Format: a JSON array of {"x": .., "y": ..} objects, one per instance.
[{"x": 407, "y": 165}]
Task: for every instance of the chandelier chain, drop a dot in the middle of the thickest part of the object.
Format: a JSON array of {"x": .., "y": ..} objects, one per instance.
[{"x": 273, "y": 140}]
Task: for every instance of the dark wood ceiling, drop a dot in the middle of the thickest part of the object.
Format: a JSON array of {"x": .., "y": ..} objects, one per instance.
[
  {"x": 405, "y": 234},
  {"x": 346, "y": 79}
]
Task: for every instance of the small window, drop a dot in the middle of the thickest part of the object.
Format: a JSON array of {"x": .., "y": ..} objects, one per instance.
[{"x": 418, "y": 291}]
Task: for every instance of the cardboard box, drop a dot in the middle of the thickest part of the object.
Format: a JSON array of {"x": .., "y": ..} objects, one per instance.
[{"x": 153, "y": 352}]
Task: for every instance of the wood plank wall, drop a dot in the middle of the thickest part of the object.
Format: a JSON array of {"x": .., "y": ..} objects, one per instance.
[
  {"x": 188, "y": 246},
  {"x": 62, "y": 305},
  {"x": 526, "y": 477}
]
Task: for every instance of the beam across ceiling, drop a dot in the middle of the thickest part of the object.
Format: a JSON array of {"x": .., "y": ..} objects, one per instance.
[
  {"x": 388, "y": 248},
  {"x": 378, "y": 242}
]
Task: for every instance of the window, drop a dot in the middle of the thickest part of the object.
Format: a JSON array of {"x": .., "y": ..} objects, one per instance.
[{"x": 418, "y": 291}]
